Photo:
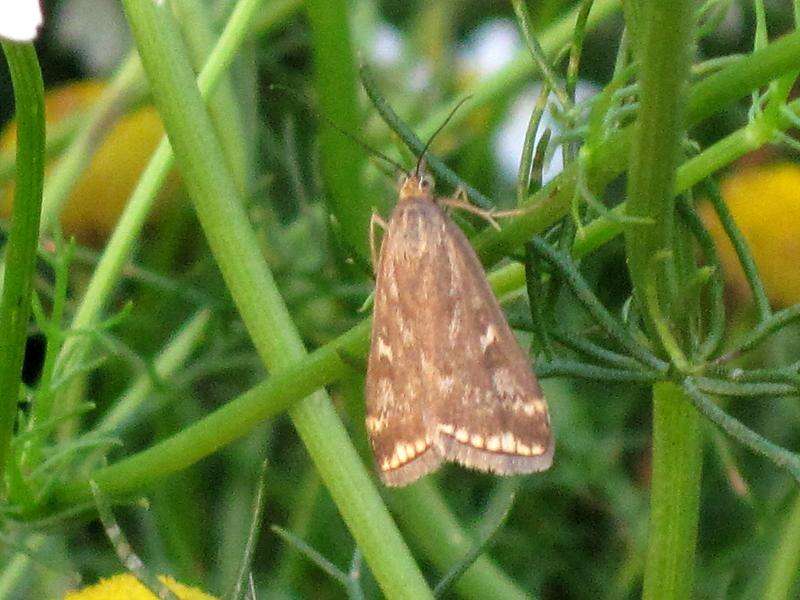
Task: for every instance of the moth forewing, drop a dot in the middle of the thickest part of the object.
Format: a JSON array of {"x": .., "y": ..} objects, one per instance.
[{"x": 446, "y": 379}]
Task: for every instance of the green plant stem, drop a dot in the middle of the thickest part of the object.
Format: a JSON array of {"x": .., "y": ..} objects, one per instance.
[
  {"x": 20, "y": 250},
  {"x": 559, "y": 367},
  {"x": 743, "y": 253},
  {"x": 252, "y": 287},
  {"x": 716, "y": 319},
  {"x": 259, "y": 501},
  {"x": 785, "y": 563},
  {"x": 664, "y": 54},
  {"x": 780, "y": 457},
  {"x": 593, "y": 306},
  {"x": 664, "y": 43},
  {"x": 336, "y": 82},
  {"x": 763, "y": 330},
  {"x": 674, "y": 495},
  {"x": 542, "y": 61}
]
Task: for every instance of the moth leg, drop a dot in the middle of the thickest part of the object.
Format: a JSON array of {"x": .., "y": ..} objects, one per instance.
[
  {"x": 487, "y": 215},
  {"x": 375, "y": 219},
  {"x": 461, "y": 201}
]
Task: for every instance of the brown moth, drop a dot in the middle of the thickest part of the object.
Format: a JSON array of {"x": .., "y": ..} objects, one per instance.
[{"x": 446, "y": 379}]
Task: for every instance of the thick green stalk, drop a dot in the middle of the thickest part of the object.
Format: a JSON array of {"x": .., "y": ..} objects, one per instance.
[
  {"x": 664, "y": 44},
  {"x": 238, "y": 255},
  {"x": 674, "y": 495},
  {"x": 20, "y": 251},
  {"x": 664, "y": 54},
  {"x": 336, "y": 82}
]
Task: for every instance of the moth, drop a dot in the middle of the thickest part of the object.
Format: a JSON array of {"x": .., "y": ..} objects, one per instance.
[{"x": 446, "y": 378}]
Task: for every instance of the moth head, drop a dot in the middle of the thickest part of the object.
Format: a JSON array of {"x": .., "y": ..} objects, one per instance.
[{"x": 417, "y": 184}]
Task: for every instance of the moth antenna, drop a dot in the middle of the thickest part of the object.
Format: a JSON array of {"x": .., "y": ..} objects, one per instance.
[
  {"x": 306, "y": 103},
  {"x": 420, "y": 160}
]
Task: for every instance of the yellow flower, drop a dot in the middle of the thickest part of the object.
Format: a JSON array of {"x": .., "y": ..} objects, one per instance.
[
  {"x": 99, "y": 197},
  {"x": 765, "y": 204},
  {"x": 126, "y": 587}
]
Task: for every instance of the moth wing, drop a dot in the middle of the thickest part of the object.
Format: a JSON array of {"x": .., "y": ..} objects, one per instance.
[
  {"x": 492, "y": 415},
  {"x": 400, "y": 430}
]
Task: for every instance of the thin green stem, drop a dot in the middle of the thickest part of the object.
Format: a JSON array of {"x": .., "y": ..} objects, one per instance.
[
  {"x": 536, "y": 295},
  {"x": 259, "y": 502},
  {"x": 594, "y": 351},
  {"x": 577, "y": 48},
  {"x": 528, "y": 147},
  {"x": 742, "y": 251},
  {"x": 716, "y": 319},
  {"x": 780, "y": 457},
  {"x": 492, "y": 522},
  {"x": 559, "y": 367},
  {"x": 124, "y": 550},
  {"x": 538, "y": 54},
  {"x": 197, "y": 27},
  {"x": 753, "y": 388},
  {"x": 169, "y": 360},
  {"x": 313, "y": 555},
  {"x": 20, "y": 250},
  {"x": 603, "y": 318},
  {"x": 763, "y": 330},
  {"x": 661, "y": 324}
]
